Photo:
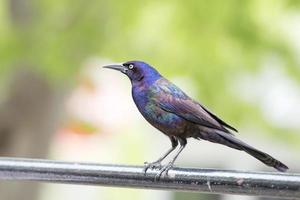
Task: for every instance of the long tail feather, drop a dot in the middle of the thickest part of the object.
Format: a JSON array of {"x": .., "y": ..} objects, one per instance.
[
  {"x": 220, "y": 137},
  {"x": 263, "y": 157}
]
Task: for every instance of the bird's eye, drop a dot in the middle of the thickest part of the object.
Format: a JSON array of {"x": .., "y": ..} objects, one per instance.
[{"x": 130, "y": 66}]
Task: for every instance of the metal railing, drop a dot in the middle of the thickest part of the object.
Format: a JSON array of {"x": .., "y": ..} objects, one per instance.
[{"x": 280, "y": 185}]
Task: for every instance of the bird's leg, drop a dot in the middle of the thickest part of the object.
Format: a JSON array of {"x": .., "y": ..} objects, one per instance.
[
  {"x": 157, "y": 163},
  {"x": 167, "y": 167}
]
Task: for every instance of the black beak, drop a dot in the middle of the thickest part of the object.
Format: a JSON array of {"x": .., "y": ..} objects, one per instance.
[{"x": 118, "y": 67}]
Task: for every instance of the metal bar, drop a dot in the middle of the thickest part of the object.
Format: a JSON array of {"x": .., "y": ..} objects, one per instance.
[{"x": 280, "y": 185}]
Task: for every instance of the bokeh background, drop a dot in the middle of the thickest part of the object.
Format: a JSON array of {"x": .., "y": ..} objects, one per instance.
[{"x": 240, "y": 58}]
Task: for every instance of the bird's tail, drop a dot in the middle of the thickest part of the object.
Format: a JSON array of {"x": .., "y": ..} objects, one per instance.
[{"x": 233, "y": 142}]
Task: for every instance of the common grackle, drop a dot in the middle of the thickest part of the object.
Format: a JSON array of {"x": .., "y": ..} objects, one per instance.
[{"x": 179, "y": 117}]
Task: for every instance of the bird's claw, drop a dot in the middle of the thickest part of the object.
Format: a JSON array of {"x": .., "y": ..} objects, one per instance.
[
  {"x": 152, "y": 165},
  {"x": 164, "y": 171}
]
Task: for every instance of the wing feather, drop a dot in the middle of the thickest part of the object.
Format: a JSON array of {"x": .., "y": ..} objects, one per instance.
[{"x": 171, "y": 99}]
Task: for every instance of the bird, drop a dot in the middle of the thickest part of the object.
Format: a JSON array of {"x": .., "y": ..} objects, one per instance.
[{"x": 169, "y": 109}]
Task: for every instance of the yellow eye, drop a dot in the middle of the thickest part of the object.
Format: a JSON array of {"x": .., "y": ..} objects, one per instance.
[{"x": 130, "y": 66}]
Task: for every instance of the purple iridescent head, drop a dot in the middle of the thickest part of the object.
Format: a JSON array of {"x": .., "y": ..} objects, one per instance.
[{"x": 136, "y": 71}]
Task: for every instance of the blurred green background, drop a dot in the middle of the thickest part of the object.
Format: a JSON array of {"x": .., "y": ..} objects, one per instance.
[{"x": 240, "y": 58}]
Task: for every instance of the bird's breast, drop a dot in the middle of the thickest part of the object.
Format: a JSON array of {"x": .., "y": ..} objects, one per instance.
[{"x": 166, "y": 122}]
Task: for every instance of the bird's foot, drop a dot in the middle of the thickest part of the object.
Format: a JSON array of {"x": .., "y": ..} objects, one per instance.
[
  {"x": 164, "y": 171},
  {"x": 152, "y": 165}
]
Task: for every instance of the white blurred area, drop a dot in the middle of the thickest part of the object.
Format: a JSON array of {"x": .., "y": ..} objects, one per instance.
[
  {"x": 100, "y": 101},
  {"x": 273, "y": 90}
]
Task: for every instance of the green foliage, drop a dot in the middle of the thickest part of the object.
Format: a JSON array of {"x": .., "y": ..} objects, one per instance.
[{"x": 209, "y": 41}]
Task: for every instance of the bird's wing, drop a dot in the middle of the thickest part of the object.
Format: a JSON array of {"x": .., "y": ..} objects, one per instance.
[{"x": 172, "y": 99}]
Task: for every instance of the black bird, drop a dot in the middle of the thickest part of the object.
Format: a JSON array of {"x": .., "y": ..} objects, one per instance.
[{"x": 179, "y": 117}]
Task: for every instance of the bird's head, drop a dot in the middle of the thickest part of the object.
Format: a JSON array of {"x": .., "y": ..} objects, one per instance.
[{"x": 136, "y": 71}]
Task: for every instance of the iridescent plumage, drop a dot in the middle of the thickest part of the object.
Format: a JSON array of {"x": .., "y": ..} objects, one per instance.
[{"x": 170, "y": 110}]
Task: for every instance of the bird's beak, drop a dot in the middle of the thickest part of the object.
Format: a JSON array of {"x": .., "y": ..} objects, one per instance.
[{"x": 118, "y": 67}]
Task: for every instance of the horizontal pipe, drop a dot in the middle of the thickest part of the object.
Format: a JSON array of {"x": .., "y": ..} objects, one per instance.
[{"x": 280, "y": 185}]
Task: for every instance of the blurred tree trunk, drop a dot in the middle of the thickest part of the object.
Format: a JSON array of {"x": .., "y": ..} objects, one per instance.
[
  {"x": 28, "y": 119},
  {"x": 21, "y": 13},
  {"x": 30, "y": 114}
]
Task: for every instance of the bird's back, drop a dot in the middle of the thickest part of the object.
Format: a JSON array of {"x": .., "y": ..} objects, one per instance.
[
  {"x": 169, "y": 109},
  {"x": 173, "y": 100}
]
